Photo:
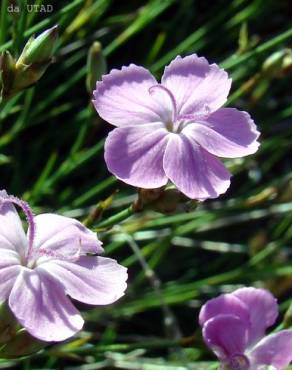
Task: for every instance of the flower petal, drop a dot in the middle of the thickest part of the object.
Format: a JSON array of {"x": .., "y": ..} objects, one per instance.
[
  {"x": 135, "y": 155},
  {"x": 225, "y": 304},
  {"x": 226, "y": 335},
  {"x": 263, "y": 309},
  {"x": 227, "y": 133},
  {"x": 194, "y": 171},
  {"x": 41, "y": 306},
  {"x": 91, "y": 280},
  {"x": 9, "y": 269},
  {"x": 274, "y": 350},
  {"x": 123, "y": 97},
  {"x": 196, "y": 84},
  {"x": 12, "y": 235},
  {"x": 65, "y": 236}
]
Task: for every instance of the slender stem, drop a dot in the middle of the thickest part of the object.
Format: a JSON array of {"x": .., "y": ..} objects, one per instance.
[
  {"x": 3, "y": 21},
  {"x": 232, "y": 62},
  {"x": 127, "y": 347},
  {"x": 121, "y": 216},
  {"x": 170, "y": 321}
]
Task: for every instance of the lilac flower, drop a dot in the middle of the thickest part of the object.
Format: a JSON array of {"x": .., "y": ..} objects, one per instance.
[
  {"x": 234, "y": 328},
  {"x": 173, "y": 130},
  {"x": 39, "y": 270}
]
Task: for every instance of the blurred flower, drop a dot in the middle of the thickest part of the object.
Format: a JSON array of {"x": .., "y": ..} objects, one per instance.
[
  {"x": 174, "y": 130},
  {"x": 39, "y": 270},
  {"x": 234, "y": 328},
  {"x": 278, "y": 64}
]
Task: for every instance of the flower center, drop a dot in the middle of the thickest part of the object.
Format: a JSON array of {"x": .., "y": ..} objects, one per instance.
[
  {"x": 238, "y": 362},
  {"x": 172, "y": 119},
  {"x": 166, "y": 99}
]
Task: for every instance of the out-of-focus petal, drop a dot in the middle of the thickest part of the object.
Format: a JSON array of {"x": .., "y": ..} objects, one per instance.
[
  {"x": 228, "y": 133},
  {"x": 9, "y": 269},
  {"x": 123, "y": 97},
  {"x": 226, "y": 335},
  {"x": 196, "y": 84},
  {"x": 64, "y": 236},
  {"x": 262, "y": 307},
  {"x": 12, "y": 235},
  {"x": 91, "y": 280},
  {"x": 274, "y": 350},
  {"x": 135, "y": 155},
  {"x": 195, "y": 172},
  {"x": 41, "y": 306},
  {"x": 226, "y": 304}
]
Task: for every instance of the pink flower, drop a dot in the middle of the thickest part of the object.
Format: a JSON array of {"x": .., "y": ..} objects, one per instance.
[
  {"x": 39, "y": 270},
  {"x": 173, "y": 130},
  {"x": 234, "y": 328}
]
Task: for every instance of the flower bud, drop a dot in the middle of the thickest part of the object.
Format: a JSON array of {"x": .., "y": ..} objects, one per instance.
[
  {"x": 278, "y": 64},
  {"x": 96, "y": 66},
  {"x": 39, "y": 50},
  {"x": 30, "y": 66},
  {"x": 287, "y": 322}
]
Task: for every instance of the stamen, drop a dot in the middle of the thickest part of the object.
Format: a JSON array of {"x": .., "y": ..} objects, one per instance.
[
  {"x": 171, "y": 97},
  {"x": 239, "y": 362},
  {"x": 28, "y": 215}
]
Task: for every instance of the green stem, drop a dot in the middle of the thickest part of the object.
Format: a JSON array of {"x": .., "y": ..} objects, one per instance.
[
  {"x": 3, "y": 21},
  {"x": 126, "y": 347},
  {"x": 121, "y": 216}
]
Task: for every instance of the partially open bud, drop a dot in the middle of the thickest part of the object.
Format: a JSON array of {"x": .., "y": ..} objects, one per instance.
[
  {"x": 30, "y": 66},
  {"x": 96, "y": 66},
  {"x": 278, "y": 64},
  {"x": 39, "y": 50}
]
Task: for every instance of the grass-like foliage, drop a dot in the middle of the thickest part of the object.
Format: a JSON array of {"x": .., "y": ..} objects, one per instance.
[{"x": 51, "y": 155}]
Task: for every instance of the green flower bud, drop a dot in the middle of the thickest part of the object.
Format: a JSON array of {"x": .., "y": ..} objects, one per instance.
[
  {"x": 287, "y": 322},
  {"x": 96, "y": 66},
  {"x": 39, "y": 50},
  {"x": 278, "y": 64},
  {"x": 30, "y": 66}
]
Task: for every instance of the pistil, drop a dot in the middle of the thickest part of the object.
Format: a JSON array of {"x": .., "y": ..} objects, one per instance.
[{"x": 29, "y": 218}]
